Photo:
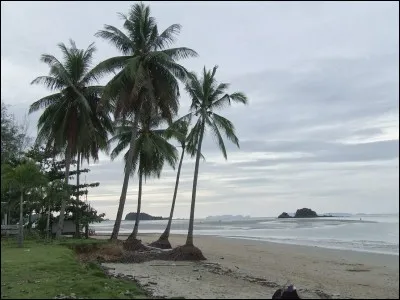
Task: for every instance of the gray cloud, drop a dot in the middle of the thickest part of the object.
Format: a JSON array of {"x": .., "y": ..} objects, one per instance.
[{"x": 322, "y": 126}]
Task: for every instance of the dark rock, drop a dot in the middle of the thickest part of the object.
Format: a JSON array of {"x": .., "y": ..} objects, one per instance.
[
  {"x": 284, "y": 215},
  {"x": 305, "y": 213},
  {"x": 300, "y": 213},
  {"x": 142, "y": 216}
]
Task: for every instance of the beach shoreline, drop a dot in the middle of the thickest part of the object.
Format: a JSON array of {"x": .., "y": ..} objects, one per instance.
[{"x": 255, "y": 269}]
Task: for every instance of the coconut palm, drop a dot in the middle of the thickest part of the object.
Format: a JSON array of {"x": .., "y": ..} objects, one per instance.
[
  {"x": 23, "y": 177},
  {"x": 67, "y": 119},
  {"x": 207, "y": 97},
  {"x": 146, "y": 76},
  {"x": 152, "y": 152},
  {"x": 96, "y": 140},
  {"x": 178, "y": 130}
]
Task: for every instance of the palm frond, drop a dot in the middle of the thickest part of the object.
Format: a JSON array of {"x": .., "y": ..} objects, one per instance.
[
  {"x": 180, "y": 53},
  {"x": 45, "y": 102},
  {"x": 167, "y": 37},
  {"x": 49, "y": 82},
  {"x": 117, "y": 38}
]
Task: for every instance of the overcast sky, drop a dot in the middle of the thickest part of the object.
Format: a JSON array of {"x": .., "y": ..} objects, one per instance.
[{"x": 322, "y": 126}]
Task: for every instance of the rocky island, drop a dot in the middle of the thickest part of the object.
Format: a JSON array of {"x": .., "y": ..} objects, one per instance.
[
  {"x": 142, "y": 216},
  {"x": 300, "y": 213}
]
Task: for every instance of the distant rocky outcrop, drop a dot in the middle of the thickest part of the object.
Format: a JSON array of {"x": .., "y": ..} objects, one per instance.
[
  {"x": 300, "y": 213},
  {"x": 305, "y": 213},
  {"x": 284, "y": 215},
  {"x": 142, "y": 216}
]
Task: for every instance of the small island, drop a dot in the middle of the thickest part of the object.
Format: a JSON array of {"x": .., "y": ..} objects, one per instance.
[
  {"x": 142, "y": 216},
  {"x": 300, "y": 213}
]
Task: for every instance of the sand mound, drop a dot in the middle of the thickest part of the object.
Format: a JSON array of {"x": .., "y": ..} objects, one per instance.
[
  {"x": 184, "y": 253},
  {"x": 161, "y": 244}
]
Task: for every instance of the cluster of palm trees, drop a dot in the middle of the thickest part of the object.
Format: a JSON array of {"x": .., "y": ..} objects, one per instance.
[{"x": 142, "y": 97}]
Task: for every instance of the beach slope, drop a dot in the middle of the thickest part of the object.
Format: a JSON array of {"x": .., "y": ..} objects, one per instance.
[{"x": 254, "y": 270}]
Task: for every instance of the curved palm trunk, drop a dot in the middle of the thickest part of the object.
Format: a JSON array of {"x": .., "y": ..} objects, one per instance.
[
  {"x": 21, "y": 220},
  {"x": 189, "y": 239},
  {"x": 133, "y": 235},
  {"x": 64, "y": 201},
  {"x": 165, "y": 235},
  {"x": 128, "y": 169},
  {"x": 77, "y": 227}
]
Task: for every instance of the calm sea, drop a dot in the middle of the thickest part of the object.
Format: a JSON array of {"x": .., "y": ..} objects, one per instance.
[{"x": 371, "y": 233}]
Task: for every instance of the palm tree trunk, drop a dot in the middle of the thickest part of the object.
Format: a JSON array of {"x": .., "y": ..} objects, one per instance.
[
  {"x": 133, "y": 235},
  {"x": 21, "y": 220},
  {"x": 189, "y": 239},
  {"x": 48, "y": 223},
  {"x": 64, "y": 201},
  {"x": 165, "y": 235},
  {"x": 30, "y": 220},
  {"x": 128, "y": 169},
  {"x": 77, "y": 227}
]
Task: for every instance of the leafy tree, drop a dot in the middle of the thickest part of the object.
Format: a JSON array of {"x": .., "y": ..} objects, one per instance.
[
  {"x": 152, "y": 151},
  {"x": 13, "y": 136},
  {"x": 207, "y": 97},
  {"x": 54, "y": 191},
  {"x": 23, "y": 177},
  {"x": 146, "y": 77},
  {"x": 68, "y": 116}
]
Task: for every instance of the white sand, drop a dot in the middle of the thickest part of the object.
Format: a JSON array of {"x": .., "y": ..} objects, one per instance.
[{"x": 251, "y": 269}]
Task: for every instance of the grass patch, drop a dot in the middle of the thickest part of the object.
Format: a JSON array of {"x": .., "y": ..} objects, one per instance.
[{"x": 42, "y": 270}]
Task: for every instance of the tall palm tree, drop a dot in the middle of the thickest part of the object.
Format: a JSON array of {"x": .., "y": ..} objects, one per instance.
[
  {"x": 207, "y": 97},
  {"x": 178, "y": 130},
  {"x": 96, "y": 140},
  {"x": 67, "y": 119},
  {"x": 152, "y": 151},
  {"x": 146, "y": 76}
]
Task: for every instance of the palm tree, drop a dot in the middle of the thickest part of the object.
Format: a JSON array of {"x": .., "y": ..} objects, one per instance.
[
  {"x": 23, "y": 177},
  {"x": 146, "y": 76},
  {"x": 96, "y": 139},
  {"x": 67, "y": 119},
  {"x": 179, "y": 130},
  {"x": 153, "y": 150},
  {"x": 207, "y": 97}
]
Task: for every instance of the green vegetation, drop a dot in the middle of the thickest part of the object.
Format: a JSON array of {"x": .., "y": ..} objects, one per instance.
[
  {"x": 152, "y": 151},
  {"x": 207, "y": 97},
  {"x": 136, "y": 111},
  {"x": 70, "y": 122},
  {"x": 43, "y": 271},
  {"x": 22, "y": 177},
  {"x": 146, "y": 78},
  {"x": 180, "y": 130}
]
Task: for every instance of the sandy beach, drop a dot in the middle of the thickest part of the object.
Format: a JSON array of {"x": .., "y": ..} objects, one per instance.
[{"x": 254, "y": 270}]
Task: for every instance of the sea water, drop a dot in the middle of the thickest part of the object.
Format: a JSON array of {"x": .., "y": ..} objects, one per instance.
[{"x": 369, "y": 233}]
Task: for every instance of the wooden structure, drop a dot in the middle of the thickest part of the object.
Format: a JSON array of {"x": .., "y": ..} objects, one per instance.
[{"x": 9, "y": 230}]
